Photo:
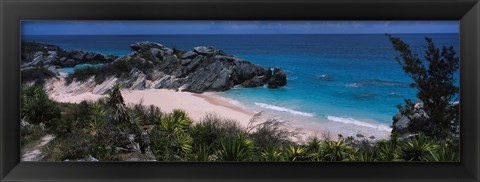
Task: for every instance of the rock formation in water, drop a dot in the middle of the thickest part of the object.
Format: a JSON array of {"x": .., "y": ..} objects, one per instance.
[{"x": 152, "y": 65}]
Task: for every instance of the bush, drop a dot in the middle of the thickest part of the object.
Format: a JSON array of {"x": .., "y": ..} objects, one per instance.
[
  {"x": 365, "y": 155},
  {"x": 82, "y": 74},
  {"x": 38, "y": 75},
  {"x": 147, "y": 55},
  {"x": 237, "y": 148},
  {"x": 271, "y": 132},
  {"x": 30, "y": 133},
  {"x": 147, "y": 115},
  {"x": 211, "y": 129},
  {"x": 72, "y": 147},
  {"x": 37, "y": 108},
  {"x": 446, "y": 151},
  {"x": 387, "y": 151},
  {"x": 271, "y": 153},
  {"x": 171, "y": 141},
  {"x": 203, "y": 153},
  {"x": 295, "y": 153},
  {"x": 337, "y": 150},
  {"x": 314, "y": 144},
  {"x": 419, "y": 148}
]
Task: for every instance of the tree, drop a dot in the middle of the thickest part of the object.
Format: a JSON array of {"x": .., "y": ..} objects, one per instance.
[{"x": 434, "y": 80}]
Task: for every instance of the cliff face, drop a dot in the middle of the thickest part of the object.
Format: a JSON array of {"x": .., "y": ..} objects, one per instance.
[{"x": 152, "y": 65}]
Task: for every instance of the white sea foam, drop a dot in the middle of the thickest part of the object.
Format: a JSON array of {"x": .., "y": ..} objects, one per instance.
[
  {"x": 63, "y": 74},
  {"x": 354, "y": 85},
  {"x": 282, "y": 109},
  {"x": 237, "y": 87},
  {"x": 380, "y": 127}
]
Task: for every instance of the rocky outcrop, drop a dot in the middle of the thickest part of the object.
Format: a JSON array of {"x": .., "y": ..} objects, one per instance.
[
  {"x": 32, "y": 50},
  {"x": 150, "y": 51},
  {"x": 153, "y": 65},
  {"x": 279, "y": 78},
  {"x": 36, "y": 54},
  {"x": 401, "y": 122}
]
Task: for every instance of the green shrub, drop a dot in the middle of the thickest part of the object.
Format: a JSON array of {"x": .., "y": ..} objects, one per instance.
[
  {"x": 119, "y": 68},
  {"x": 147, "y": 115},
  {"x": 82, "y": 74},
  {"x": 367, "y": 155},
  {"x": 444, "y": 152},
  {"x": 387, "y": 150},
  {"x": 203, "y": 153},
  {"x": 104, "y": 153},
  {"x": 30, "y": 133},
  {"x": 37, "y": 108},
  {"x": 72, "y": 147},
  {"x": 314, "y": 144},
  {"x": 337, "y": 150},
  {"x": 38, "y": 75},
  {"x": 171, "y": 141},
  {"x": 237, "y": 148},
  {"x": 211, "y": 129},
  {"x": 418, "y": 148},
  {"x": 182, "y": 144},
  {"x": 295, "y": 153},
  {"x": 271, "y": 153},
  {"x": 271, "y": 132},
  {"x": 176, "y": 122},
  {"x": 147, "y": 55}
]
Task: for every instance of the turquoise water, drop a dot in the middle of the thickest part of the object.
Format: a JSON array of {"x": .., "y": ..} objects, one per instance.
[
  {"x": 350, "y": 79},
  {"x": 70, "y": 70}
]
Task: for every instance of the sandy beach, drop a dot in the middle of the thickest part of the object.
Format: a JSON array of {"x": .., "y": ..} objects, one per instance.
[
  {"x": 199, "y": 105},
  {"x": 196, "y": 105}
]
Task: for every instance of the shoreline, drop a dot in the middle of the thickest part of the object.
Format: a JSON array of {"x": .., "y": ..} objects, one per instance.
[
  {"x": 196, "y": 105},
  {"x": 199, "y": 105}
]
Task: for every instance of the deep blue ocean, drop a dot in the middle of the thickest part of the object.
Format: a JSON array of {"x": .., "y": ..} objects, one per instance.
[{"x": 331, "y": 78}]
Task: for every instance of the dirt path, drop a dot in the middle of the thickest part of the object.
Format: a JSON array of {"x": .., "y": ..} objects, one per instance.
[{"x": 34, "y": 153}]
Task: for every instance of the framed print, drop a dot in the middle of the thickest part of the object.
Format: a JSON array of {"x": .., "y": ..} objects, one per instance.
[{"x": 210, "y": 90}]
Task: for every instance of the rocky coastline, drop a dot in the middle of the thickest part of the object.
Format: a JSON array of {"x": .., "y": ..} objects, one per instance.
[{"x": 153, "y": 66}]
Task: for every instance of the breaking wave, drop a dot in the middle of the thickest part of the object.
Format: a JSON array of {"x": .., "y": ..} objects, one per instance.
[
  {"x": 282, "y": 109},
  {"x": 379, "y": 127}
]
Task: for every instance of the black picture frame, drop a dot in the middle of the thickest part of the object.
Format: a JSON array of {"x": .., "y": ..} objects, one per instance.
[{"x": 13, "y": 11}]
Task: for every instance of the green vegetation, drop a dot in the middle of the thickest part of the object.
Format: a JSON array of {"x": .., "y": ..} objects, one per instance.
[
  {"x": 38, "y": 108},
  {"x": 103, "y": 130},
  {"x": 119, "y": 68},
  {"x": 38, "y": 75},
  {"x": 434, "y": 80},
  {"x": 82, "y": 74}
]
